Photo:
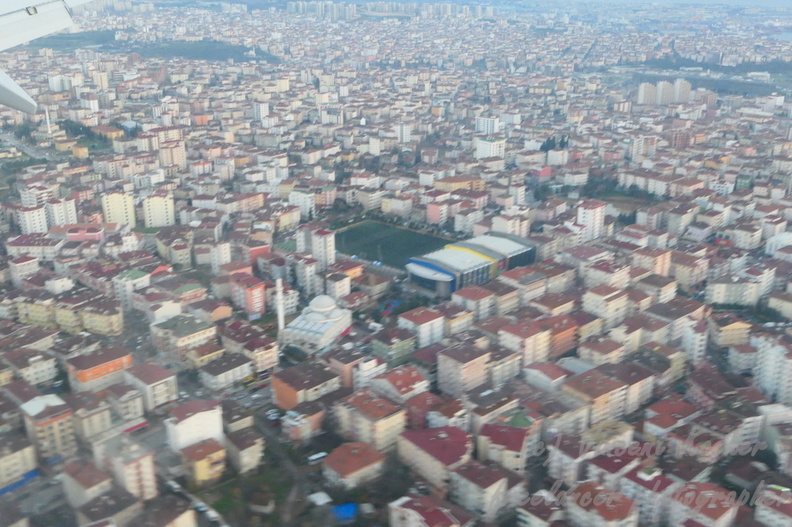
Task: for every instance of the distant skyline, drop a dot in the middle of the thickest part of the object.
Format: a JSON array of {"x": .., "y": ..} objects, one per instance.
[{"x": 736, "y": 3}]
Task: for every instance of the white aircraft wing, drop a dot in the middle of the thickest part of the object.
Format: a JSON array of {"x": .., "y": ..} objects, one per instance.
[{"x": 22, "y": 21}]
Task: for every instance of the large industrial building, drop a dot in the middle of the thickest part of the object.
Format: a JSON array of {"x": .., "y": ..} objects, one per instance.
[{"x": 471, "y": 262}]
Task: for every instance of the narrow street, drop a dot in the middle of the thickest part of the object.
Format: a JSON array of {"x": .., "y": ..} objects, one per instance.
[{"x": 276, "y": 448}]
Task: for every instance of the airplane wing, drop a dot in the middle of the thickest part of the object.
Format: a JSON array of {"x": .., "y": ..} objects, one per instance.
[{"x": 22, "y": 21}]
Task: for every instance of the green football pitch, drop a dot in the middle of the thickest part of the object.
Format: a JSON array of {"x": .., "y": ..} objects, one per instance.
[{"x": 388, "y": 244}]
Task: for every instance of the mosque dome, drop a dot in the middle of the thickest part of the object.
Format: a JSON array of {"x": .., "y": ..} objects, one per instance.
[{"x": 322, "y": 303}]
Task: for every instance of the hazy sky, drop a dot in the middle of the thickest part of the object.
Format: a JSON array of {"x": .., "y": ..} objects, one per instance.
[{"x": 745, "y": 3}]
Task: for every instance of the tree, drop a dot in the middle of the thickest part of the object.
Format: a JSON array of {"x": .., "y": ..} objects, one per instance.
[
  {"x": 24, "y": 131},
  {"x": 549, "y": 144},
  {"x": 628, "y": 219},
  {"x": 542, "y": 192},
  {"x": 394, "y": 483}
]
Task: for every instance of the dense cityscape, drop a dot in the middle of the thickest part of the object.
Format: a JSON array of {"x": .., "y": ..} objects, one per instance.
[{"x": 314, "y": 263}]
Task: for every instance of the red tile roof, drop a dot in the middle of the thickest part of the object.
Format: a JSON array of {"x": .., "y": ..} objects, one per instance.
[
  {"x": 474, "y": 292},
  {"x": 709, "y": 499},
  {"x": 483, "y": 476},
  {"x": 202, "y": 450},
  {"x": 447, "y": 444},
  {"x": 609, "y": 505},
  {"x": 86, "y": 474},
  {"x": 421, "y": 315},
  {"x": 191, "y": 408},
  {"x": 150, "y": 373},
  {"x": 350, "y": 458},
  {"x": 434, "y": 512},
  {"x": 369, "y": 405},
  {"x": 509, "y": 437},
  {"x": 404, "y": 379}
]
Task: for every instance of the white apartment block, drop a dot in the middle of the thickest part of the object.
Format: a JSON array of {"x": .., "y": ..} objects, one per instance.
[
  {"x": 119, "y": 207},
  {"x": 61, "y": 211},
  {"x": 32, "y": 219},
  {"x": 193, "y": 422},
  {"x": 36, "y": 195},
  {"x": 773, "y": 370},
  {"x": 427, "y": 324},
  {"x": 131, "y": 465},
  {"x": 591, "y": 215},
  {"x": 733, "y": 290},
  {"x": 306, "y": 201},
  {"x": 158, "y": 211},
  {"x": 488, "y": 125},
  {"x": 490, "y": 147}
]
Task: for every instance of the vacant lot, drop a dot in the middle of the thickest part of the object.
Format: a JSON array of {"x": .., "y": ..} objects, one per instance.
[{"x": 390, "y": 245}]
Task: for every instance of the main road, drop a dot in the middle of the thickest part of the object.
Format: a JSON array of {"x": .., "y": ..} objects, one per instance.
[{"x": 30, "y": 150}]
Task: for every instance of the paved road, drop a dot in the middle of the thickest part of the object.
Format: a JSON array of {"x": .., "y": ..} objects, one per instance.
[{"x": 32, "y": 151}]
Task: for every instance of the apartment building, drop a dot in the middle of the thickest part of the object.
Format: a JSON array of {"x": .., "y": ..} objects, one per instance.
[
  {"x": 433, "y": 453},
  {"x": 83, "y": 482},
  {"x": 131, "y": 465},
  {"x": 119, "y": 207},
  {"x": 192, "y": 422},
  {"x": 305, "y": 382},
  {"x": 368, "y": 418},
  {"x": 177, "y": 335},
  {"x": 230, "y": 369},
  {"x": 399, "y": 384},
  {"x": 157, "y": 384},
  {"x": 351, "y": 465},
  {"x": 591, "y": 505},
  {"x": 651, "y": 490},
  {"x": 49, "y": 425},
  {"x": 244, "y": 449},
  {"x": 606, "y": 396},
  {"x": 427, "y": 511},
  {"x": 17, "y": 459},
  {"x": 508, "y": 446},
  {"x": 608, "y": 303},
  {"x": 486, "y": 489},
  {"x": 726, "y": 329},
  {"x": 601, "y": 350},
  {"x": 97, "y": 370},
  {"x": 658, "y": 261},
  {"x": 205, "y": 461},
  {"x": 461, "y": 368},
  {"x": 476, "y": 299},
  {"x": 530, "y": 339},
  {"x": 427, "y": 324},
  {"x": 393, "y": 345},
  {"x": 707, "y": 504},
  {"x": 264, "y": 352},
  {"x": 32, "y": 366},
  {"x": 733, "y": 290},
  {"x": 92, "y": 416}
]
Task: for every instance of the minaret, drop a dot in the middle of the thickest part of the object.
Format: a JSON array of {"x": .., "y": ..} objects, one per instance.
[{"x": 279, "y": 304}]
